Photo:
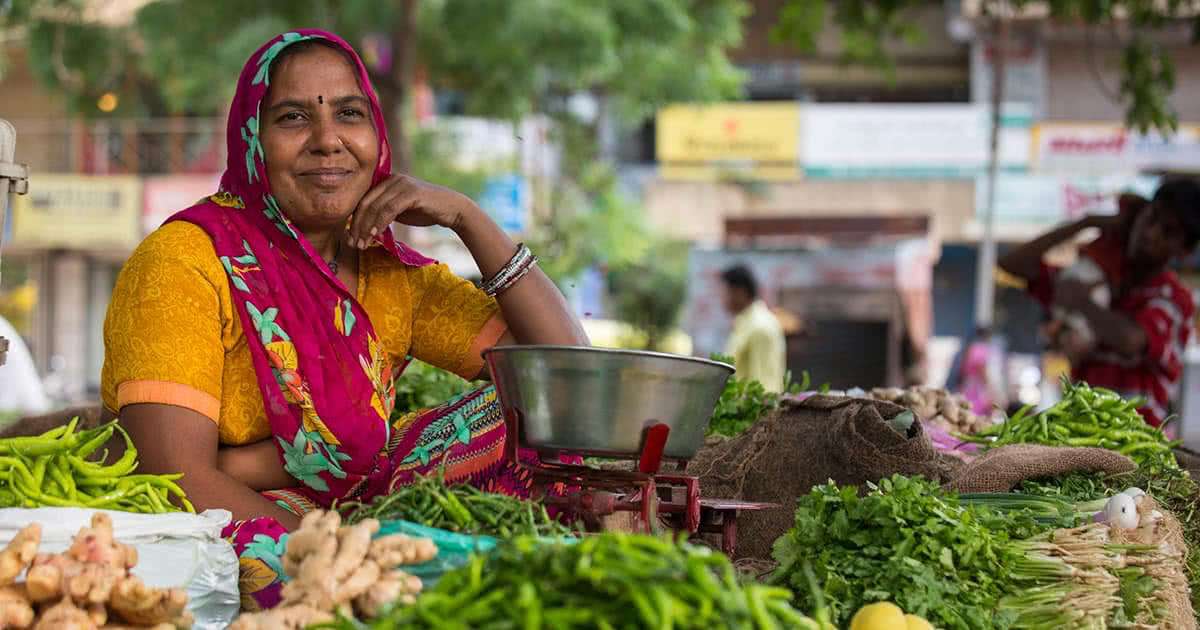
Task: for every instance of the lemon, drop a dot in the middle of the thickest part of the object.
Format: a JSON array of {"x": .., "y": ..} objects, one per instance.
[
  {"x": 917, "y": 623},
  {"x": 879, "y": 616}
]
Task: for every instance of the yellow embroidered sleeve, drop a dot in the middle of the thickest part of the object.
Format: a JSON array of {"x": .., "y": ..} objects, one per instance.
[
  {"x": 162, "y": 334},
  {"x": 453, "y": 320}
]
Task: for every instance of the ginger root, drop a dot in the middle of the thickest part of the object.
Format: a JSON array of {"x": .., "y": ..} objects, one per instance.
[
  {"x": 340, "y": 569},
  {"x": 20, "y": 551},
  {"x": 16, "y": 611},
  {"x": 394, "y": 586},
  {"x": 398, "y": 549},
  {"x": 295, "y": 617},
  {"x": 85, "y": 585},
  {"x": 65, "y": 616},
  {"x": 139, "y": 604}
]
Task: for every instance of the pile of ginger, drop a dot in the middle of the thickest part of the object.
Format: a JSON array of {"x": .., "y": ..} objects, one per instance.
[
  {"x": 341, "y": 570},
  {"x": 87, "y": 587}
]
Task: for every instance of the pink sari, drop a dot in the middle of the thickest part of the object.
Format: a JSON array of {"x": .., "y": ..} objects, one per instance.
[{"x": 326, "y": 382}]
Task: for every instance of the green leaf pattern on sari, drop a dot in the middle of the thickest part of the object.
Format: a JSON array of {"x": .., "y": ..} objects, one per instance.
[
  {"x": 254, "y": 148},
  {"x": 244, "y": 263},
  {"x": 276, "y": 216},
  {"x": 269, "y": 551},
  {"x": 264, "y": 62}
]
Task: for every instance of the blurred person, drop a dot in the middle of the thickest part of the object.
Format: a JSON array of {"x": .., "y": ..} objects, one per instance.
[
  {"x": 977, "y": 377},
  {"x": 21, "y": 389},
  {"x": 1134, "y": 341},
  {"x": 756, "y": 342},
  {"x": 254, "y": 340}
]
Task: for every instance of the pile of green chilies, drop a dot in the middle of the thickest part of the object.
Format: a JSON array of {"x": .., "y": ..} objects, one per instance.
[
  {"x": 459, "y": 508},
  {"x": 604, "y": 582},
  {"x": 57, "y": 469},
  {"x": 1087, "y": 416}
]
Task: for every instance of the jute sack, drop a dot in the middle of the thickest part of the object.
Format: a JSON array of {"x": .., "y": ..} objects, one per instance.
[
  {"x": 1002, "y": 469},
  {"x": 803, "y": 444}
]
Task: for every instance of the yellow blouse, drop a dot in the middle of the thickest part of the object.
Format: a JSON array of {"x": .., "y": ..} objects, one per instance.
[{"x": 171, "y": 335}]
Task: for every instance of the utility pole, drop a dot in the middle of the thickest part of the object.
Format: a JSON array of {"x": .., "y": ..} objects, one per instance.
[{"x": 985, "y": 278}]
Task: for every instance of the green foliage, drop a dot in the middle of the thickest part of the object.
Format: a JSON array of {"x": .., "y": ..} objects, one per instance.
[
  {"x": 521, "y": 51},
  {"x": 907, "y": 542},
  {"x": 649, "y": 294},
  {"x": 433, "y": 161},
  {"x": 869, "y": 26},
  {"x": 508, "y": 56},
  {"x": 423, "y": 386}
]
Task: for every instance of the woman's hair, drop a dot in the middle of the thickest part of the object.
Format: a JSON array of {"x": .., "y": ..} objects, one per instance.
[{"x": 303, "y": 46}]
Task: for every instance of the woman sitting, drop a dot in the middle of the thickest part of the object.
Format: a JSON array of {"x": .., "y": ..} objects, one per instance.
[{"x": 253, "y": 340}]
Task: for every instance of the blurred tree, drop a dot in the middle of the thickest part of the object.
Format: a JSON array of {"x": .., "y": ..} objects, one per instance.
[
  {"x": 868, "y": 27},
  {"x": 649, "y": 293},
  {"x": 508, "y": 57}
]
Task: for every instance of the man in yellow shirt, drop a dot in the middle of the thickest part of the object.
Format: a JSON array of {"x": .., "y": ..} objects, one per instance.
[{"x": 756, "y": 342}]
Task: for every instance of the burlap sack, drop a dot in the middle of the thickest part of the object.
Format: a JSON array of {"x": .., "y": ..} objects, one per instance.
[
  {"x": 804, "y": 444},
  {"x": 1002, "y": 469}
]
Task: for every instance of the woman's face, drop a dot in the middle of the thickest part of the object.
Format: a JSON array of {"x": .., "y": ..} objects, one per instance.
[{"x": 318, "y": 139}]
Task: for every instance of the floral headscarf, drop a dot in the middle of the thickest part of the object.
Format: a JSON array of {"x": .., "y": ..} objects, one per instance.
[{"x": 325, "y": 380}]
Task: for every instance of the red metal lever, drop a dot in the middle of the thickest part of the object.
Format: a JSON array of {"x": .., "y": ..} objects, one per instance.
[{"x": 654, "y": 442}]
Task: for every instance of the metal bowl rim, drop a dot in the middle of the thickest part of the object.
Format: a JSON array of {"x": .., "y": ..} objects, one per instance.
[{"x": 610, "y": 351}]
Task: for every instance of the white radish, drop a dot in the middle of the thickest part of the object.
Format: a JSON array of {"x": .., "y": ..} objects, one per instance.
[{"x": 1134, "y": 492}]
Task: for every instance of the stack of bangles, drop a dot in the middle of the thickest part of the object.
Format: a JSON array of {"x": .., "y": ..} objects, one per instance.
[{"x": 512, "y": 272}]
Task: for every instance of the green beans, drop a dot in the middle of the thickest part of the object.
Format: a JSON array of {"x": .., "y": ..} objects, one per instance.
[
  {"x": 1088, "y": 416},
  {"x": 610, "y": 580},
  {"x": 55, "y": 469},
  {"x": 463, "y": 508}
]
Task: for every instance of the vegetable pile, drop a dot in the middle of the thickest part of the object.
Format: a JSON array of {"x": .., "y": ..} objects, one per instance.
[
  {"x": 1173, "y": 489},
  {"x": 906, "y": 542},
  {"x": 57, "y": 469},
  {"x": 335, "y": 569},
  {"x": 949, "y": 412},
  {"x": 1088, "y": 416},
  {"x": 84, "y": 587},
  {"x": 611, "y": 580},
  {"x": 990, "y": 560},
  {"x": 463, "y": 508},
  {"x": 743, "y": 402}
]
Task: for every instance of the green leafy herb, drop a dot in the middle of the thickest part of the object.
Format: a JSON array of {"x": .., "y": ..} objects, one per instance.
[
  {"x": 423, "y": 386},
  {"x": 906, "y": 542},
  {"x": 743, "y": 402}
]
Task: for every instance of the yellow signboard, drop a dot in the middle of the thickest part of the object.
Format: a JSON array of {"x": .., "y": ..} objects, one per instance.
[
  {"x": 751, "y": 140},
  {"x": 79, "y": 212}
]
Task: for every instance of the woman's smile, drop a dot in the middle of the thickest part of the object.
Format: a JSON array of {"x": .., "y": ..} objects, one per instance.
[{"x": 326, "y": 178}]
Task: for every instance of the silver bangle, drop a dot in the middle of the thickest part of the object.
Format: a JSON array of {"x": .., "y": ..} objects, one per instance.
[
  {"x": 516, "y": 266},
  {"x": 521, "y": 272}
]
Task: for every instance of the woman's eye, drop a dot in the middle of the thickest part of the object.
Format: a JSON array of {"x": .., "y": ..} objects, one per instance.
[
  {"x": 353, "y": 113},
  {"x": 291, "y": 116}
]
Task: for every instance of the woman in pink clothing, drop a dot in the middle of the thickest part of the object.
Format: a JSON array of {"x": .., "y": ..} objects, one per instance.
[{"x": 976, "y": 382}]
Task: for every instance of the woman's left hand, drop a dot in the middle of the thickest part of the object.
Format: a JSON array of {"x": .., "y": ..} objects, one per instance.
[{"x": 407, "y": 200}]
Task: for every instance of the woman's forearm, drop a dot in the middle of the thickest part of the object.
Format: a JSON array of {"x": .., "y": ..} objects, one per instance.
[
  {"x": 534, "y": 308},
  {"x": 213, "y": 489}
]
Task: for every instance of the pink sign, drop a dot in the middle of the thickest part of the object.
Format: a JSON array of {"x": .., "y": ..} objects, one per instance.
[{"x": 166, "y": 195}]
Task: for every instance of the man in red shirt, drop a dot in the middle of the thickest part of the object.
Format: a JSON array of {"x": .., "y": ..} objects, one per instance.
[{"x": 1142, "y": 335}]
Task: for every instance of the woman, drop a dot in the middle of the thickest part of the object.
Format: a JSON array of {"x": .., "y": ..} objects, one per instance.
[
  {"x": 977, "y": 385},
  {"x": 252, "y": 341}
]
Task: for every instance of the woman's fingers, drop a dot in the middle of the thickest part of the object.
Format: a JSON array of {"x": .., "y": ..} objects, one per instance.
[
  {"x": 374, "y": 218},
  {"x": 366, "y": 215}
]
